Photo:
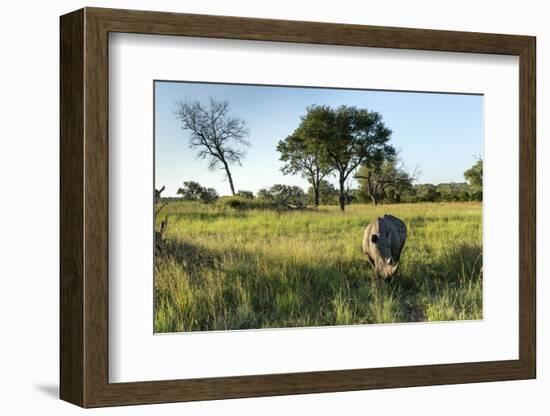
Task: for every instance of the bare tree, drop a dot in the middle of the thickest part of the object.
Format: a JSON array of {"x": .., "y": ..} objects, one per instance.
[
  {"x": 159, "y": 239},
  {"x": 214, "y": 133},
  {"x": 157, "y": 194},
  {"x": 158, "y": 205}
]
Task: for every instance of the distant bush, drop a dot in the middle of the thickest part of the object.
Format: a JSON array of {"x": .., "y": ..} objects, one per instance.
[
  {"x": 283, "y": 196},
  {"x": 246, "y": 194},
  {"x": 442, "y": 192},
  {"x": 328, "y": 194},
  {"x": 193, "y": 191},
  {"x": 241, "y": 203},
  {"x": 235, "y": 202}
]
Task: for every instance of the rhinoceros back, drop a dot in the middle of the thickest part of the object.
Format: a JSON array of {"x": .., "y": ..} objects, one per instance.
[{"x": 397, "y": 232}]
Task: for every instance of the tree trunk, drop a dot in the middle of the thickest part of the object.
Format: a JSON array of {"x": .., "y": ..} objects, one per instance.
[
  {"x": 316, "y": 184},
  {"x": 229, "y": 177},
  {"x": 374, "y": 202},
  {"x": 342, "y": 198},
  {"x": 370, "y": 188},
  {"x": 316, "y": 194}
]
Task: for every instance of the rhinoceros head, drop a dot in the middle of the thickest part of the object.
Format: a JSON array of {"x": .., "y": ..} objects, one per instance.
[{"x": 384, "y": 263}]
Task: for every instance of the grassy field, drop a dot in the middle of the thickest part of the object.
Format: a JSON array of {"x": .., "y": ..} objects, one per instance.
[{"x": 223, "y": 268}]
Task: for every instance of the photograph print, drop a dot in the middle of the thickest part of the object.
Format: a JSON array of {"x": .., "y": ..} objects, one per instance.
[{"x": 295, "y": 206}]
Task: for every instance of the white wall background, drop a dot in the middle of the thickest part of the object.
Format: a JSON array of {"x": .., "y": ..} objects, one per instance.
[{"x": 29, "y": 159}]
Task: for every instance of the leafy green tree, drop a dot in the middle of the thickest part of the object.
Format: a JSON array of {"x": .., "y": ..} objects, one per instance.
[
  {"x": 453, "y": 192},
  {"x": 346, "y": 138},
  {"x": 214, "y": 133},
  {"x": 190, "y": 191},
  {"x": 209, "y": 195},
  {"x": 327, "y": 193},
  {"x": 426, "y": 193},
  {"x": 385, "y": 181},
  {"x": 474, "y": 176},
  {"x": 193, "y": 191},
  {"x": 284, "y": 195},
  {"x": 264, "y": 195},
  {"x": 301, "y": 156}
]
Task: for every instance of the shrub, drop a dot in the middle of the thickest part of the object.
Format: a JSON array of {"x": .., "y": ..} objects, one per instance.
[
  {"x": 235, "y": 202},
  {"x": 246, "y": 194},
  {"x": 240, "y": 203},
  {"x": 193, "y": 191}
]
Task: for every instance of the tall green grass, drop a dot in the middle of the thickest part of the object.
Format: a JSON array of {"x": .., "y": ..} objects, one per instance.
[{"x": 225, "y": 268}]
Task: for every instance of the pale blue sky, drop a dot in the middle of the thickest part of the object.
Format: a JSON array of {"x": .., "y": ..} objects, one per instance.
[{"x": 440, "y": 134}]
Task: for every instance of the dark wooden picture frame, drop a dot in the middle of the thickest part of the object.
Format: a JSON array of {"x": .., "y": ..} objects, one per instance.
[{"x": 84, "y": 207}]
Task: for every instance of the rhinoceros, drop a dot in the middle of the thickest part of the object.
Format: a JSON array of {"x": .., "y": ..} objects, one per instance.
[{"x": 383, "y": 241}]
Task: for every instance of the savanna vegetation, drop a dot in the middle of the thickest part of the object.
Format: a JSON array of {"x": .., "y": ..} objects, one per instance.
[
  {"x": 284, "y": 256},
  {"x": 251, "y": 267}
]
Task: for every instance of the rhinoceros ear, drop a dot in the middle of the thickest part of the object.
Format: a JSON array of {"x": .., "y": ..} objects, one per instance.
[{"x": 374, "y": 238}]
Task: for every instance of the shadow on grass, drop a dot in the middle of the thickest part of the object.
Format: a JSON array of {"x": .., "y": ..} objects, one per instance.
[
  {"x": 446, "y": 288},
  {"x": 254, "y": 289}
]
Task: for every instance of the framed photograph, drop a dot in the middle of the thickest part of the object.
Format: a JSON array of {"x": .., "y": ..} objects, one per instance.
[{"x": 254, "y": 207}]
